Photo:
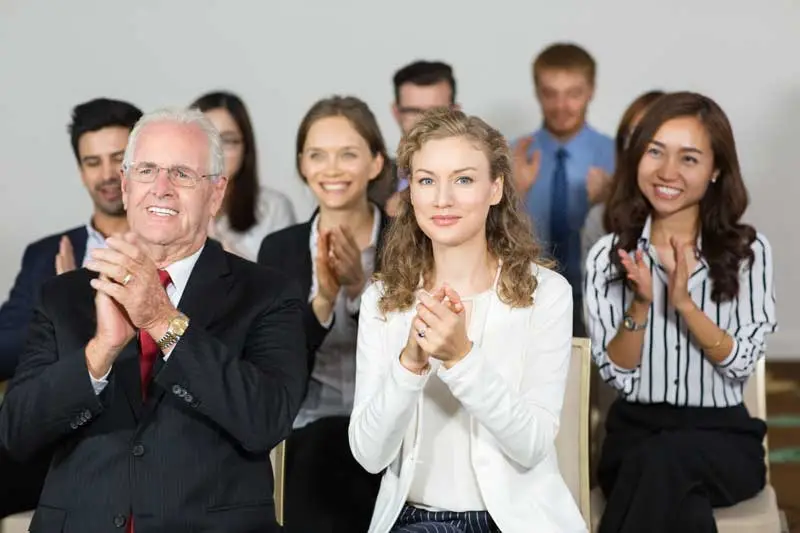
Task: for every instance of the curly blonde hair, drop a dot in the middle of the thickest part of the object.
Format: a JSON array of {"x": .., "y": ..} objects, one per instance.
[{"x": 408, "y": 252}]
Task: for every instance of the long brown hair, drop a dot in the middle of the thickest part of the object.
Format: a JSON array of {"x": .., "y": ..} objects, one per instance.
[
  {"x": 243, "y": 189},
  {"x": 726, "y": 241},
  {"x": 408, "y": 252},
  {"x": 358, "y": 113}
]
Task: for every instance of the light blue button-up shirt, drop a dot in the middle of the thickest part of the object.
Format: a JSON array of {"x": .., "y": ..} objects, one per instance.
[{"x": 588, "y": 148}]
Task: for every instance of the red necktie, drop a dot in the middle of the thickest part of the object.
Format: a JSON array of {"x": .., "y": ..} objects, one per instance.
[
  {"x": 149, "y": 348},
  {"x": 147, "y": 358}
]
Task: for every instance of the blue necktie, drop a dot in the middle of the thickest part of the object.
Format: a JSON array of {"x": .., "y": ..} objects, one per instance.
[{"x": 559, "y": 210}]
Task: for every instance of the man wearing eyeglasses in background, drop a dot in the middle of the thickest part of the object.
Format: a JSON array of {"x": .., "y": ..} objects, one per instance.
[
  {"x": 418, "y": 87},
  {"x": 165, "y": 371},
  {"x": 99, "y": 132}
]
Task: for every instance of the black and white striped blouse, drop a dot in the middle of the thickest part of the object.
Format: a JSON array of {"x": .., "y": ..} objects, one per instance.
[{"x": 673, "y": 367}]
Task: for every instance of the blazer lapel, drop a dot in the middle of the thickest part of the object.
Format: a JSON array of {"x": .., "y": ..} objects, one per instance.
[
  {"x": 203, "y": 301},
  {"x": 78, "y": 237}
]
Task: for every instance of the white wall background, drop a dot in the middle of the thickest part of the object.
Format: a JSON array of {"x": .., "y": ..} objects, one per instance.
[{"x": 280, "y": 56}]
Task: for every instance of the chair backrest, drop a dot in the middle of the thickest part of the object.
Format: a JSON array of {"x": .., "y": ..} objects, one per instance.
[
  {"x": 278, "y": 459},
  {"x": 755, "y": 399},
  {"x": 572, "y": 441}
]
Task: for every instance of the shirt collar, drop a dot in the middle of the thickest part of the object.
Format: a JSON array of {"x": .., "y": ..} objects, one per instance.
[
  {"x": 93, "y": 235},
  {"x": 551, "y": 144},
  {"x": 645, "y": 237},
  {"x": 645, "y": 242},
  {"x": 180, "y": 270}
]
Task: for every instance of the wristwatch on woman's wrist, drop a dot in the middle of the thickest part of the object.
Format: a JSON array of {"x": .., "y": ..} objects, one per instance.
[{"x": 630, "y": 324}]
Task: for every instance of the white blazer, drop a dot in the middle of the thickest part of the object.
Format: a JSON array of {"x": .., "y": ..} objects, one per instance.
[{"x": 512, "y": 385}]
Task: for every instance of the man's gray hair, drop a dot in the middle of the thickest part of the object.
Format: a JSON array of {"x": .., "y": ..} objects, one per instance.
[{"x": 216, "y": 164}]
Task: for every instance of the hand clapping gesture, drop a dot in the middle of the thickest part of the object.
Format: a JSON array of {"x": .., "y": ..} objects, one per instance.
[
  {"x": 65, "y": 259},
  {"x": 525, "y": 168},
  {"x": 678, "y": 270},
  {"x": 439, "y": 330},
  {"x": 129, "y": 296},
  {"x": 638, "y": 273},
  {"x": 345, "y": 260},
  {"x": 676, "y": 262}
]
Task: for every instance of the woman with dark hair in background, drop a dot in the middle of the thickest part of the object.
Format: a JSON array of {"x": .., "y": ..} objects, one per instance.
[
  {"x": 679, "y": 302},
  {"x": 250, "y": 211},
  {"x": 340, "y": 152},
  {"x": 593, "y": 227}
]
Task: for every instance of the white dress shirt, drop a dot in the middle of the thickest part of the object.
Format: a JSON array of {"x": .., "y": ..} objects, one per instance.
[
  {"x": 512, "y": 386},
  {"x": 179, "y": 273},
  {"x": 94, "y": 241},
  {"x": 332, "y": 384},
  {"x": 673, "y": 367},
  {"x": 273, "y": 212}
]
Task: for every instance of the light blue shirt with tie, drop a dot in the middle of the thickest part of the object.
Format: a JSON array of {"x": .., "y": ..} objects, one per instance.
[{"x": 588, "y": 148}]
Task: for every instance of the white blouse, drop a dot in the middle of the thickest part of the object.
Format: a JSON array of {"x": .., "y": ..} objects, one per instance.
[
  {"x": 444, "y": 479},
  {"x": 274, "y": 212}
]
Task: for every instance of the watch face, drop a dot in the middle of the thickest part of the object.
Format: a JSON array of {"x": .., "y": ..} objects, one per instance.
[
  {"x": 628, "y": 323},
  {"x": 179, "y": 324}
]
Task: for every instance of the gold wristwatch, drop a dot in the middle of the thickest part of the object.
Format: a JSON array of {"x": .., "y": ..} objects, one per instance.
[{"x": 177, "y": 327}]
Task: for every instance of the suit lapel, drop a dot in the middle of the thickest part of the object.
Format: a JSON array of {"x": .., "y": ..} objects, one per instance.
[
  {"x": 78, "y": 237},
  {"x": 203, "y": 301}
]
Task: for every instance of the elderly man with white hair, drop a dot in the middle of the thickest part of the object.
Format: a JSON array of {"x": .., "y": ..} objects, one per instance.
[{"x": 165, "y": 370}]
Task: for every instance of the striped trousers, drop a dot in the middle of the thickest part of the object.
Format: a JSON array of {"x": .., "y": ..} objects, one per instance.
[{"x": 415, "y": 520}]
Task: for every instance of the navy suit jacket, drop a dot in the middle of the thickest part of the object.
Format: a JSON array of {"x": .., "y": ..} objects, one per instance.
[{"x": 38, "y": 265}]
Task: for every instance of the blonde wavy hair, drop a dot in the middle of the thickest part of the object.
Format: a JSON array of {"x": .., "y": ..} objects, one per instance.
[{"x": 408, "y": 252}]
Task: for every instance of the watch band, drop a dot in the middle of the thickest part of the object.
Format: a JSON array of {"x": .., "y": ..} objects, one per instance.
[{"x": 167, "y": 340}]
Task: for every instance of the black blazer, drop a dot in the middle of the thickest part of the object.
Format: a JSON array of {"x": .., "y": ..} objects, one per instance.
[
  {"x": 287, "y": 251},
  {"x": 195, "y": 456},
  {"x": 38, "y": 265}
]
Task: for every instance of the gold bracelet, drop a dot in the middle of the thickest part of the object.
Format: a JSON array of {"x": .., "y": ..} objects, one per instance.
[{"x": 719, "y": 342}]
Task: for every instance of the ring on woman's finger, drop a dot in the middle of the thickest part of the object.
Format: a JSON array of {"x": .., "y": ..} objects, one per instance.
[
  {"x": 421, "y": 332},
  {"x": 127, "y": 279}
]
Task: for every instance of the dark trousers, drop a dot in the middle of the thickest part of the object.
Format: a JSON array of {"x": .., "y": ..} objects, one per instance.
[
  {"x": 664, "y": 468},
  {"x": 22, "y": 483},
  {"x": 415, "y": 520},
  {"x": 327, "y": 491}
]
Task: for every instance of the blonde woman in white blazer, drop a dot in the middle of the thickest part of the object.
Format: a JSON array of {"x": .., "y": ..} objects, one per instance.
[{"x": 463, "y": 349}]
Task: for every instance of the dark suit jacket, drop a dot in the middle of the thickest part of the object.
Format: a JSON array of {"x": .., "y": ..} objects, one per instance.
[
  {"x": 287, "y": 251},
  {"x": 38, "y": 265},
  {"x": 195, "y": 456}
]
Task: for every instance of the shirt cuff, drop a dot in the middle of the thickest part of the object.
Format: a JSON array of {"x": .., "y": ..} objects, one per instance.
[
  {"x": 620, "y": 370},
  {"x": 406, "y": 378},
  {"x": 470, "y": 364},
  {"x": 99, "y": 384},
  {"x": 328, "y": 323},
  {"x": 353, "y": 306},
  {"x": 169, "y": 352}
]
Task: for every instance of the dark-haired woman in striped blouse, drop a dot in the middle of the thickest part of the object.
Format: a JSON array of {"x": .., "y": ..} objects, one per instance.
[{"x": 679, "y": 300}]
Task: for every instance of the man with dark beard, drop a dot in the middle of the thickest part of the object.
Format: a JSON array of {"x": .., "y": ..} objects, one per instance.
[{"x": 99, "y": 134}]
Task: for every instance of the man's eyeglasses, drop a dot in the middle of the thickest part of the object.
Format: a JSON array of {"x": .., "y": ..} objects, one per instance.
[{"x": 179, "y": 176}]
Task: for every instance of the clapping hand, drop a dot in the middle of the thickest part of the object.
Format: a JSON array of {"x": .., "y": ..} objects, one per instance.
[
  {"x": 525, "y": 168},
  {"x": 441, "y": 326},
  {"x": 638, "y": 273},
  {"x": 678, "y": 290},
  {"x": 130, "y": 277},
  {"x": 344, "y": 258},
  {"x": 65, "y": 259}
]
